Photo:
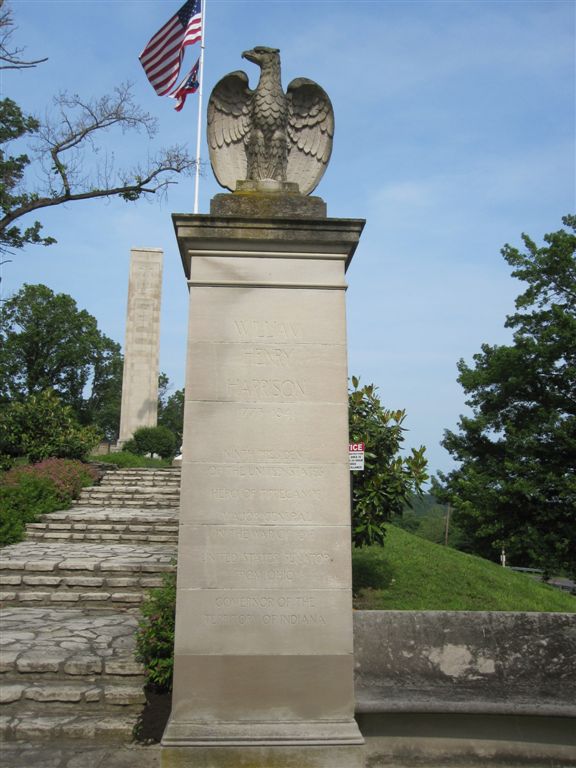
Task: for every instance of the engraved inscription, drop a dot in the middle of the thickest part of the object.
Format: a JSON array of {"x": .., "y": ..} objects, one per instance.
[
  {"x": 276, "y": 330},
  {"x": 267, "y": 558},
  {"x": 266, "y": 494},
  {"x": 310, "y": 619},
  {"x": 279, "y": 610},
  {"x": 256, "y": 414},
  {"x": 266, "y": 470},
  {"x": 280, "y": 515},
  {"x": 255, "y": 455},
  {"x": 264, "y": 389},
  {"x": 272, "y": 561},
  {"x": 267, "y": 533},
  {"x": 276, "y": 357}
]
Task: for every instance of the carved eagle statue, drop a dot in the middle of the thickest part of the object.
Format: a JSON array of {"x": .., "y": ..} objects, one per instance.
[{"x": 266, "y": 133}]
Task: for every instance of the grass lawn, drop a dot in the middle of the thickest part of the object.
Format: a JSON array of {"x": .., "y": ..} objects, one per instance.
[
  {"x": 412, "y": 574},
  {"x": 127, "y": 460}
]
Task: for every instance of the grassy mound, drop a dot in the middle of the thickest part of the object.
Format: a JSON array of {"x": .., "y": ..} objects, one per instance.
[
  {"x": 412, "y": 574},
  {"x": 127, "y": 460}
]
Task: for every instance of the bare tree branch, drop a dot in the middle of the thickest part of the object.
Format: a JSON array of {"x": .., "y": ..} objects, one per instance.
[
  {"x": 10, "y": 57},
  {"x": 154, "y": 179},
  {"x": 69, "y": 174}
]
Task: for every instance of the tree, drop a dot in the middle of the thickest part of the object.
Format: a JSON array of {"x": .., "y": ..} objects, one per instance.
[
  {"x": 152, "y": 440},
  {"x": 42, "y": 427},
  {"x": 60, "y": 161},
  {"x": 102, "y": 407},
  {"x": 389, "y": 480},
  {"x": 516, "y": 484},
  {"x": 171, "y": 413},
  {"x": 46, "y": 342}
]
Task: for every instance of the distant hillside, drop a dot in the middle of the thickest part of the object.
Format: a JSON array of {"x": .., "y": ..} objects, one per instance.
[{"x": 410, "y": 573}]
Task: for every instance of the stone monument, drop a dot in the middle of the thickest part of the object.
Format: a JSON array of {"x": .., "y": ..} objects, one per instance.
[
  {"x": 264, "y": 661},
  {"x": 142, "y": 345}
]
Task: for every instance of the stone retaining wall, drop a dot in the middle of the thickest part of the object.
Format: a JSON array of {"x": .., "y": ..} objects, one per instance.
[{"x": 444, "y": 685}]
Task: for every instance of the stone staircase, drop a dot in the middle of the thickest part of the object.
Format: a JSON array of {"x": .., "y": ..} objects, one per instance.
[
  {"x": 107, "y": 525},
  {"x": 153, "y": 488},
  {"x": 70, "y": 597}
]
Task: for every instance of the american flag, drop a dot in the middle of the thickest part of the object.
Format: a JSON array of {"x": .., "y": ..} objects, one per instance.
[
  {"x": 162, "y": 57},
  {"x": 190, "y": 84}
]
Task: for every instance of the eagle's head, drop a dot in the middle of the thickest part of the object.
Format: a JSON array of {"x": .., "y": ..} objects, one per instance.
[{"x": 262, "y": 56}]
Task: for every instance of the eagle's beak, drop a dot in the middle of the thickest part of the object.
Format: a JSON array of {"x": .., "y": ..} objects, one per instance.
[{"x": 250, "y": 56}]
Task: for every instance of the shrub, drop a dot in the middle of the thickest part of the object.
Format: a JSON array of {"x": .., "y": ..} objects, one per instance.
[
  {"x": 41, "y": 427},
  {"x": 24, "y": 503},
  {"x": 159, "y": 440},
  {"x": 155, "y": 637},
  {"x": 27, "y": 492},
  {"x": 6, "y": 462}
]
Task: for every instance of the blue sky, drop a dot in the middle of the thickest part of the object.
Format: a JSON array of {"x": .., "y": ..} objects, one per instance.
[{"x": 455, "y": 133}]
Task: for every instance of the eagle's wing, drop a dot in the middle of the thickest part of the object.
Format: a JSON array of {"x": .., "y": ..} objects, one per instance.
[
  {"x": 310, "y": 132},
  {"x": 228, "y": 126}
]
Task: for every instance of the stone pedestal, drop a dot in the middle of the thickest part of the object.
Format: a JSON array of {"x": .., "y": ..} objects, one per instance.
[
  {"x": 142, "y": 345},
  {"x": 263, "y": 651}
]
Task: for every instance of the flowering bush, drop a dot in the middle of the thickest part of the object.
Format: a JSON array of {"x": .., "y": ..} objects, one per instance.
[
  {"x": 30, "y": 491},
  {"x": 67, "y": 476}
]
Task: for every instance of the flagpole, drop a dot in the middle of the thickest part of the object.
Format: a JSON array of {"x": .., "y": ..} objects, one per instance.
[{"x": 199, "y": 131}]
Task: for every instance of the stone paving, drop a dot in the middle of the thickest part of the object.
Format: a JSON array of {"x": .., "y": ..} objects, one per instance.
[
  {"x": 71, "y": 691},
  {"x": 88, "y": 755},
  {"x": 82, "y": 573},
  {"x": 44, "y": 640},
  {"x": 47, "y": 556},
  {"x": 81, "y": 755}
]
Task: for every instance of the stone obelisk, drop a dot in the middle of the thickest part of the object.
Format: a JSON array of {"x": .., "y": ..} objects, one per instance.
[
  {"x": 263, "y": 672},
  {"x": 142, "y": 343}
]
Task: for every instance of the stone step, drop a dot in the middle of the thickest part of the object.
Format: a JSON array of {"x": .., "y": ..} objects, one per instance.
[
  {"x": 69, "y": 695},
  {"x": 72, "y": 534},
  {"x": 15, "y": 580},
  {"x": 98, "y": 599},
  {"x": 108, "y": 525},
  {"x": 62, "y": 726},
  {"x": 147, "y": 501},
  {"x": 128, "y": 503},
  {"x": 114, "y": 515},
  {"x": 82, "y": 573},
  {"x": 147, "y": 471},
  {"x": 133, "y": 485},
  {"x": 142, "y": 476},
  {"x": 160, "y": 482},
  {"x": 122, "y": 493}
]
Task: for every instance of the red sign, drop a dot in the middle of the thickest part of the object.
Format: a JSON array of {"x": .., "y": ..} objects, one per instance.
[{"x": 355, "y": 447}]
